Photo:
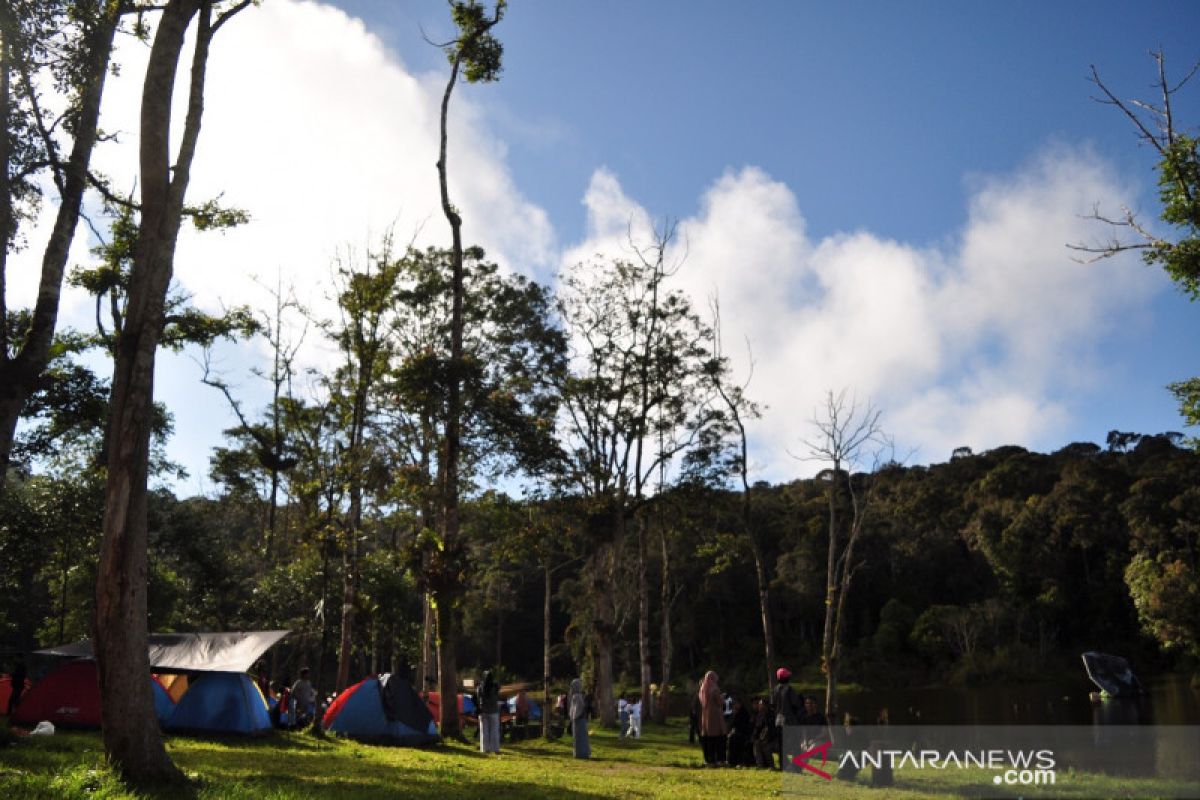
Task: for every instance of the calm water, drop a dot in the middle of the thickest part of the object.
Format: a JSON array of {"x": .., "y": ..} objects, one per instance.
[{"x": 1169, "y": 701}]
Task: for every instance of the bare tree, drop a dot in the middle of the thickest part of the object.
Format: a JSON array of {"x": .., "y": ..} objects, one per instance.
[
  {"x": 1179, "y": 181},
  {"x": 741, "y": 409},
  {"x": 844, "y": 432}
]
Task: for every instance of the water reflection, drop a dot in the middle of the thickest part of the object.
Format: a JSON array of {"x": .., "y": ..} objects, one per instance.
[{"x": 1169, "y": 700}]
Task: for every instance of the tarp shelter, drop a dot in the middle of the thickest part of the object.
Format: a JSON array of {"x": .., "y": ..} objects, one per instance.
[
  {"x": 193, "y": 652},
  {"x": 383, "y": 710},
  {"x": 70, "y": 697},
  {"x": 1112, "y": 674},
  {"x": 6, "y": 691},
  {"x": 221, "y": 703}
]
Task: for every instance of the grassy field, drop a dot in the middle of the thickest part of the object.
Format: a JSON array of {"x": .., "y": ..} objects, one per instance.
[{"x": 660, "y": 765}]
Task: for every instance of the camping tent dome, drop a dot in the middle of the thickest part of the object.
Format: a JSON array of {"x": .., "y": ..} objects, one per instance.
[
  {"x": 383, "y": 710},
  {"x": 70, "y": 698},
  {"x": 221, "y": 702}
]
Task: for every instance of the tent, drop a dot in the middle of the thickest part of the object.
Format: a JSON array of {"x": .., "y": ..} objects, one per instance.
[
  {"x": 383, "y": 710},
  {"x": 535, "y": 708},
  {"x": 70, "y": 697},
  {"x": 6, "y": 691},
  {"x": 1112, "y": 674},
  {"x": 176, "y": 683},
  {"x": 466, "y": 704},
  {"x": 220, "y": 703}
]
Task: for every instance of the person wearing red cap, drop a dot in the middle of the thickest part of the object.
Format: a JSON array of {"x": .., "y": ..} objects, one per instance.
[{"x": 788, "y": 709}]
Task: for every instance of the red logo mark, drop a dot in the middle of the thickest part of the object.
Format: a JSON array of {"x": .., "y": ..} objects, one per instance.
[{"x": 801, "y": 760}]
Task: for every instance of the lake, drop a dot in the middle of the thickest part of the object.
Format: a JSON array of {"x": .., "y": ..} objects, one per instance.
[{"x": 1169, "y": 700}]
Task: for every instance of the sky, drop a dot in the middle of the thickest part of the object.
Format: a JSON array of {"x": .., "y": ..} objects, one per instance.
[{"x": 879, "y": 194}]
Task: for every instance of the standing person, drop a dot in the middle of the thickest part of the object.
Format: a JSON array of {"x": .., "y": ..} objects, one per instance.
[
  {"x": 813, "y": 723},
  {"x": 489, "y": 714},
  {"x": 17, "y": 683},
  {"x": 521, "y": 710},
  {"x": 739, "y": 751},
  {"x": 763, "y": 734},
  {"x": 712, "y": 720},
  {"x": 635, "y": 718},
  {"x": 788, "y": 710},
  {"x": 694, "y": 718},
  {"x": 623, "y": 715},
  {"x": 579, "y": 720},
  {"x": 303, "y": 700}
]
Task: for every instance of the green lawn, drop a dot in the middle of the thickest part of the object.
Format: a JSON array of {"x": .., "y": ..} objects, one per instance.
[{"x": 660, "y": 765}]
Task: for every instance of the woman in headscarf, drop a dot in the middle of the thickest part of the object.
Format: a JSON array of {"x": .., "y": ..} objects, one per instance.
[
  {"x": 579, "y": 720},
  {"x": 712, "y": 720},
  {"x": 489, "y": 714}
]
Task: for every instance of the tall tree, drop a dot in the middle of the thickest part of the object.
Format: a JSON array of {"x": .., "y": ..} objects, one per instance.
[
  {"x": 131, "y": 735},
  {"x": 73, "y": 42},
  {"x": 635, "y": 401},
  {"x": 844, "y": 431},
  {"x": 477, "y": 54}
]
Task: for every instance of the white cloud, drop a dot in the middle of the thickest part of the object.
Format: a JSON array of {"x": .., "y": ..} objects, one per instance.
[{"x": 979, "y": 342}]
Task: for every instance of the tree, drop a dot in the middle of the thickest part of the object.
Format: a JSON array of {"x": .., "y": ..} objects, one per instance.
[
  {"x": 844, "y": 430},
  {"x": 636, "y": 400},
  {"x": 738, "y": 410},
  {"x": 1178, "y": 167},
  {"x": 131, "y": 735},
  {"x": 73, "y": 43},
  {"x": 477, "y": 53}
]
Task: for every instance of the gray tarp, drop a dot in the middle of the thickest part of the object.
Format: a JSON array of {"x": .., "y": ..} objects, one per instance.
[{"x": 193, "y": 652}]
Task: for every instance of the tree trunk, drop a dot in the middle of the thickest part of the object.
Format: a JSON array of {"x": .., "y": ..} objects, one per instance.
[
  {"x": 764, "y": 609},
  {"x": 131, "y": 735},
  {"x": 546, "y": 655},
  {"x": 346, "y": 643},
  {"x": 665, "y": 644},
  {"x": 603, "y": 581},
  {"x": 644, "y": 652},
  {"x": 827, "y": 654},
  {"x": 449, "y": 722}
]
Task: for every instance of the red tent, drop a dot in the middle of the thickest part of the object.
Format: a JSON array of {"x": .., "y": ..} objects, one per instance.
[
  {"x": 6, "y": 691},
  {"x": 69, "y": 696}
]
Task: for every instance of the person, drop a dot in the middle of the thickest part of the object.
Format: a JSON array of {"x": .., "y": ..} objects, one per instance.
[
  {"x": 712, "y": 719},
  {"x": 303, "y": 700},
  {"x": 694, "y": 718},
  {"x": 489, "y": 714},
  {"x": 263, "y": 681},
  {"x": 17, "y": 683},
  {"x": 578, "y": 711},
  {"x": 738, "y": 749},
  {"x": 285, "y": 701},
  {"x": 813, "y": 723},
  {"x": 635, "y": 717},
  {"x": 788, "y": 708},
  {"x": 521, "y": 709},
  {"x": 763, "y": 734},
  {"x": 623, "y": 715}
]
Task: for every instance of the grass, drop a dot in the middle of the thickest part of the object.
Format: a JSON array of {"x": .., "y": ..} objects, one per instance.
[{"x": 293, "y": 765}]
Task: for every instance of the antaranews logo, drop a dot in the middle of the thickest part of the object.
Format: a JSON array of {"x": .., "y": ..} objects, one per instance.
[{"x": 1013, "y": 767}]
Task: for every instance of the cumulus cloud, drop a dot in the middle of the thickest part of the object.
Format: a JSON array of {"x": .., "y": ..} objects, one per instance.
[{"x": 980, "y": 341}]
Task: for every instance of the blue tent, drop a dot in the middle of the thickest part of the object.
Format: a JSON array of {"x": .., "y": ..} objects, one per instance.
[
  {"x": 221, "y": 702},
  {"x": 383, "y": 710},
  {"x": 164, "y": 706},
  {"x": 535, "y": 708}
]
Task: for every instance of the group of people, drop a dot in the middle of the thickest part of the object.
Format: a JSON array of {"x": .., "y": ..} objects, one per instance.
[
  {"x": 733, "y": 735},
  {"x": 296, "y": 703}
]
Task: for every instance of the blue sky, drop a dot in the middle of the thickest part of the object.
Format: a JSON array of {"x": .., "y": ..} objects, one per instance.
[{"x": 881, "y": 193}]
